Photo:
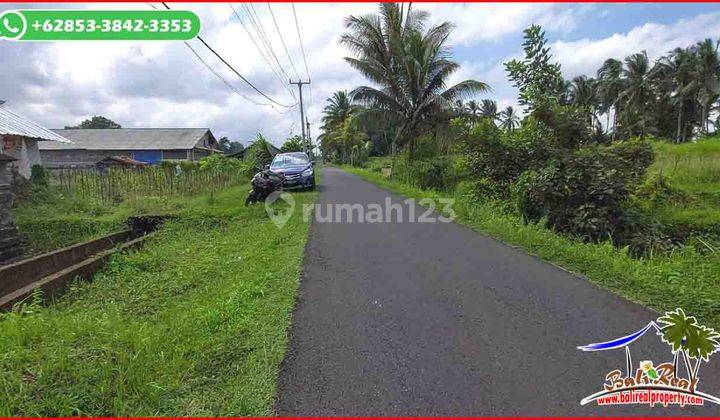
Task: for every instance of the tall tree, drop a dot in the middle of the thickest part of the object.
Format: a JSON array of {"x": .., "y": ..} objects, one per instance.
[
  {"x": 488, "y": 109},
  {"x": 96, "y": 122},
  {"x": 535, "y": 76},
  {"x": 410, "y": 65},
  {"x": 676, "y": 74},
  {"x": 337, "y": 109},
  {"x": 584, "y": 93},
  {"x": 638, "y": 93},
  {"x": 708, "y": 78},
  {"x": 473, "y": 107},
  {"x": 610, "y": 84},
  {"x": 293, "y": 144},
  {"x": 509, "y": 119}
]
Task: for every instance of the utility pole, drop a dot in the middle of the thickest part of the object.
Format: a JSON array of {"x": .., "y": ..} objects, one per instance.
[
  {"x": 309, "y": 141},
  {"x": 300, "y": 84}
]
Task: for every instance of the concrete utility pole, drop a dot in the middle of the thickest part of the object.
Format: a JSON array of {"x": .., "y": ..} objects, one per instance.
[
  {"x": 300, "y": 84},
  {"x": 309, "y": 140}
]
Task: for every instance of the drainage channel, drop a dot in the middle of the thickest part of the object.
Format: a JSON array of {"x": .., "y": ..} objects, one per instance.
[{"x": 51, "y": 272}]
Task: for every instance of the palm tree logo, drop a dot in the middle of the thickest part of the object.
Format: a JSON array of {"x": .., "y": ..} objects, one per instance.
[{"x": 688, "y": 339}]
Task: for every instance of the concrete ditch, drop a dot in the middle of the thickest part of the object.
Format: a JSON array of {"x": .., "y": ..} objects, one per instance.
[{"x": 50, "y": 273}]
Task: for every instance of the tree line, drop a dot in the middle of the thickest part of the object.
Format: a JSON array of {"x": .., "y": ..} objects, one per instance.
[
  {"x": 573, "y": 161},
  {"x": 674, "y": 97}
]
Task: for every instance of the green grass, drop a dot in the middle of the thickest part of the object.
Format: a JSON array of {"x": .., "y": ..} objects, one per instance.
[
  {"x": 692, "y": 171},
  {"x": 50, "y": 220},
  {"x": 685, "y": 278},
  {"x": 194, "y": 324}
]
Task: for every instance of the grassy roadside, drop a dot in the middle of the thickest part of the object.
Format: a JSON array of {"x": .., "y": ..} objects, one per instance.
[
  {"x": 50, "y": 220},
  {"x": 194, "y": 324},
  {"x": 684, "y": 279},
  {"x": 690, "y": 199}
]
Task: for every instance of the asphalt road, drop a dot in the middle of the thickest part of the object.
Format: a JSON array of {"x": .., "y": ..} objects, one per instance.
[{"x": 436, "y": 319}]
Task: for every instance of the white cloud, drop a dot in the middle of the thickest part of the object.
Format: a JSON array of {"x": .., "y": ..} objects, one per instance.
[
  {"x": 585, "y": 56},
  {"x": 482, "y": 22}
]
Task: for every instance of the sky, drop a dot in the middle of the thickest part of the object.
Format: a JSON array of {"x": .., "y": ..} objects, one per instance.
[{"x": 163, "y": 84}]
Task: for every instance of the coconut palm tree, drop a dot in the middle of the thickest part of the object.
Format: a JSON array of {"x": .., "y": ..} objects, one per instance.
[
  {"x": 638, "y": 93},
  {"x": 583, "y": 93},
  {"x": 488, "y": 109},
  {"x": 509, "y": 119},
  {"x": 473, "y": 107},
  {"x": 708, "y": 78},
  {"x": 610, "y": 84},
  {"x": 338, "y": 108},
  {"x": 688, "y": 339},
  {"x": 409, "y": 63},
  {"x": 676, "y": 74}
]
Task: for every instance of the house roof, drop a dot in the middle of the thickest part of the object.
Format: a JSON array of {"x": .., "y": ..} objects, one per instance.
[
  {"x": 122, "y": 160},
  {"x": 15, "y": 125},
  {"x": 129, "y": 139}
]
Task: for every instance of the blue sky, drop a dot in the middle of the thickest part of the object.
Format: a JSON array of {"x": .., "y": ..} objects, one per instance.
[{"x": 161, "y": 84}]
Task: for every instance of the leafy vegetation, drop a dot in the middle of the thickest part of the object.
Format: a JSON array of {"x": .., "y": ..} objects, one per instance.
[
  {"x": 69, "y": 207},
  {"x": 293, "y": 144},
  {"x": 96, "y": 122},
  {"x": 194, "y": 324},
  {"x": 561, "y": 164},
  {"x": 410, "y": 65}
]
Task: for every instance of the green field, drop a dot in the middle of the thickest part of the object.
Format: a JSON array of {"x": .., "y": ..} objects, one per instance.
[
  {"x": 194, "y": 324},
  {"x": 687, "y": 277},
  {"x": 690, "y": 201}
]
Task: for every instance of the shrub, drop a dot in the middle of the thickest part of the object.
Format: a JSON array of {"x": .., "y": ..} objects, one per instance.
[
  {"x": 39, "y": 176},
  {"x": 220, "y": 163},
  {"x": 437, "y": 173},
  {"x": 583, "y": 193},
  {"x": 495, "y": 160}
]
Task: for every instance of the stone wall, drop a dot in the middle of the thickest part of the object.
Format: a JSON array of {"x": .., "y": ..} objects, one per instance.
[{"x": 11, "y": 245}]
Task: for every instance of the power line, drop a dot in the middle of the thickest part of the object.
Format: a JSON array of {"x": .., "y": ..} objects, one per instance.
[
  {"x": 235, "y": 71},
  {"x": 260, "y": 29},
  {"x": 282, "y": 41},
  {"x": 307, "y": 71},
  {"x": 262, "y": 53},
  {"x": 302, "y": 49},
  {"x": 219, "y": 76}
]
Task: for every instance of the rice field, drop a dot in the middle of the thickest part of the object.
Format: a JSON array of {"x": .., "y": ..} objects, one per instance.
[{"x": 116, "y": 185}]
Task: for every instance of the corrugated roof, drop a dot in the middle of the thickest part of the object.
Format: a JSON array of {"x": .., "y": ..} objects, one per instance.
[
  {"x": 16, "y": 125},
  {"x": 128, "y": 139}
]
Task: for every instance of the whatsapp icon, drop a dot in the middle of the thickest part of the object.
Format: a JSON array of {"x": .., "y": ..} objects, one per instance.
[{"x": 12, "y": 25}]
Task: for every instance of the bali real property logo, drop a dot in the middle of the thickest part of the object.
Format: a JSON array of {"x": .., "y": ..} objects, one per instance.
[{"x": 649, "y": 383}]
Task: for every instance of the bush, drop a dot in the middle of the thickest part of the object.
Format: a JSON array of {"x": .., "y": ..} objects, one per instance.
[
  {"x": 39, "y": 176},
  {"x": 221, "y": 163},
  {"x": 583, "y": 193},
  {"x": 495, "y": 160},
  {"x": 437, "y": 173}
]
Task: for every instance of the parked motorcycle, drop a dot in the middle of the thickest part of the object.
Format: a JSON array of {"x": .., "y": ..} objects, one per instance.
[{"x": 263, "y": 184}]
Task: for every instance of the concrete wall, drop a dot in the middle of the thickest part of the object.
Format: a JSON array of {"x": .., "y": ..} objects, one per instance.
[
  {"x": 25, "y": 151},
  {"x": 58, "y": 159},
  {"x": 54, "y": 159}
]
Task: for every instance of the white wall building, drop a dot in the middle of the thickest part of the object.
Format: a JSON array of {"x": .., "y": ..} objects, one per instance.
[{"x": 19, "y": 138}]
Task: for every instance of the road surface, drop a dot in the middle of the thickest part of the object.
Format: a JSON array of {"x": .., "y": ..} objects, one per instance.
[{"x": 436, "y": 319}]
